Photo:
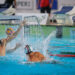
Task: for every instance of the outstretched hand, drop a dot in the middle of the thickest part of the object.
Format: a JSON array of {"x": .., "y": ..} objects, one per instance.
[
  {"x": 23, "y": 23},
  {"x": 50, "y": 5},
  {"x": 18, "y": 45}
]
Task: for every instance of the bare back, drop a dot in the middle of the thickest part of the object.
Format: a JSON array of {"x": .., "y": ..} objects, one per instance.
[{"x": 36, "y": 57}]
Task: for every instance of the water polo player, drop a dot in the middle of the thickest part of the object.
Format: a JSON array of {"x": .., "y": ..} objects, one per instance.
[
  {"x": 33, "y": 56},
  {"x": 3, "y": 42}
]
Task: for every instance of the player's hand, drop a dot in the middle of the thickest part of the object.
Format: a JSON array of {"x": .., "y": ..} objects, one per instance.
[
  {"x": 18, "y": 44},
  {"x": 50, "y": 5},
  {"x": 23, "y": 23}
]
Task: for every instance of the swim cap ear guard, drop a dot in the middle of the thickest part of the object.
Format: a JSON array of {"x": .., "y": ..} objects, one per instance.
[{"x": 25, "y": 51}]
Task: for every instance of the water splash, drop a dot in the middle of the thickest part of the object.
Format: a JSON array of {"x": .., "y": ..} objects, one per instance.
[{"x": 47, "y": 41}]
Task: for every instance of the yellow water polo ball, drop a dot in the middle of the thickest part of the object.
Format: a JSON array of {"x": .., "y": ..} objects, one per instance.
[{"x": 9, "y": 31}]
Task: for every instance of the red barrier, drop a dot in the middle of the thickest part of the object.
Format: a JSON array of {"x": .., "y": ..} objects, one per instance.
[{"x": 62, "y": 55}]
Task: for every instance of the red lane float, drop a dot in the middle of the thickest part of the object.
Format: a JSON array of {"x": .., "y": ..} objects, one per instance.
[{"x": 63, "y": 55}]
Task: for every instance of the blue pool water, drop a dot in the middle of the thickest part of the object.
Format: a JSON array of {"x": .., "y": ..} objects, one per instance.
[{"x": 13, "y": 64}]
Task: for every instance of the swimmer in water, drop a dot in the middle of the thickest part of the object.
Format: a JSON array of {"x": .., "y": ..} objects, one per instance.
[
  {"x": 37, "y": 56},
  {"x": 5, "y": 41},
  {"x": 34, "y": 56}
]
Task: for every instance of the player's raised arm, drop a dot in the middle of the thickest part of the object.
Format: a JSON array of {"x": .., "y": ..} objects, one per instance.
[{"x": 14, "y": 35}]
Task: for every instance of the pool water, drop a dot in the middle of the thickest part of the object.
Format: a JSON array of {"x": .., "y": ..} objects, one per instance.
[{"x": 13, "y": 63}]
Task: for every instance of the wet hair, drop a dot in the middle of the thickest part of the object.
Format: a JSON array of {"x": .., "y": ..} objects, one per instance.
[{"x": 1, "y": 43}]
